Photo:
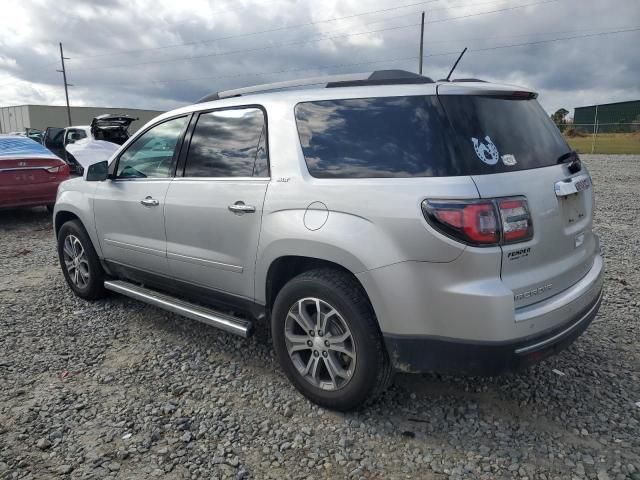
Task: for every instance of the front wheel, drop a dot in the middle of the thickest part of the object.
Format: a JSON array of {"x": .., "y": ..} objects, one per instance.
[
  {"x": 79, "y": 261},
  {"x": 327, "y": 340}
]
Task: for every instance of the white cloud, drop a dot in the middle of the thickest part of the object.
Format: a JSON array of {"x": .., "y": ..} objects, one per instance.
[{"x": 568, "y": 73}]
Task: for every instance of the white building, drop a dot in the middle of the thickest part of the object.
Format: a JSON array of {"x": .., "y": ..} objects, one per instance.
[{"x": 19, "y": 117}]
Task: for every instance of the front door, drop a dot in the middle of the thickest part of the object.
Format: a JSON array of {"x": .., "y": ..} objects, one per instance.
[
  {"x": 129, "y": 208},
  {"x": 213, "y": 211}
]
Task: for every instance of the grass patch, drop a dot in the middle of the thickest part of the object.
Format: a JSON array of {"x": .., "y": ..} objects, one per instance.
[{"x": 611, "y": 143}]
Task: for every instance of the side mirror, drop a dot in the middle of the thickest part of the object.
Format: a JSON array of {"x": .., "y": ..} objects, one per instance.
[{"x": 98, "y": 172}]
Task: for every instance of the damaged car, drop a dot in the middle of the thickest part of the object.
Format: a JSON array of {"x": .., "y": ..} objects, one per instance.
[{"x": 82, "y": 145}]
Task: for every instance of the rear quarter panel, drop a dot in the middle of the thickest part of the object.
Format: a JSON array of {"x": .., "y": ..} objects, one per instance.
[{"x": 361, "y": 224}]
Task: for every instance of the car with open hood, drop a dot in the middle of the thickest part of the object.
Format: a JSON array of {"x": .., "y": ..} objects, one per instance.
[{"x": 82, "y": 145}]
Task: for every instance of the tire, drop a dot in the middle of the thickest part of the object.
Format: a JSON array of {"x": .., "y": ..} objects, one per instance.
[
  {"x": 50, "y": 207},
  {"x": 348, "y": 314},
  {"x": 86, "y": 276}
]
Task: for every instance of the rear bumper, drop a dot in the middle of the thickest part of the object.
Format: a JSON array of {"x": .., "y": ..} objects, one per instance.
[
  {"x": 13, "y": 196},
  {"x": 428, "y": 354}
]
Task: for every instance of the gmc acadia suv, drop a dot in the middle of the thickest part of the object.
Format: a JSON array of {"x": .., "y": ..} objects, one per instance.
[{"x": 379, "y": 222}]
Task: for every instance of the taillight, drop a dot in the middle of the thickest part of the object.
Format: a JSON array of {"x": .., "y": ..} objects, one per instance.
[
  {"x": 473, "y": 222},
  {"x": 59, "y": 169},
  {"x": 481, "y": 222},
  {"x": 515, "y": 219}
]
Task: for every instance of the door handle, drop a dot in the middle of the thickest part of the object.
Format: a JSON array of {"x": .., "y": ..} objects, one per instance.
[
  {"x": 150, "y": 202},
  {"x": 239, "y": 207}
]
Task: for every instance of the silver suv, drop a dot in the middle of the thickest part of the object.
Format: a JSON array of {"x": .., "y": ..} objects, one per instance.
[{"x": 380, "y": 222}]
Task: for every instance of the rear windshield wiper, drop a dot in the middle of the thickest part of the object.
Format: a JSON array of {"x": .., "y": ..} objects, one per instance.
[{"x": 575, "y": 164}]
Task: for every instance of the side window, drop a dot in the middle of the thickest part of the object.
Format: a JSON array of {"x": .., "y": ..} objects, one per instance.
[
  {"x": 151, "y": 154},
  {"x": 228, "y": 143},
  {"x": 75, "y": 135}
]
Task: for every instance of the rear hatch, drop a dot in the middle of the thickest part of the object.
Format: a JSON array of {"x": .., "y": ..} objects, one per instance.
[
  {"x": 112, "y": 127},
  {"x": 515, "y": 150}
]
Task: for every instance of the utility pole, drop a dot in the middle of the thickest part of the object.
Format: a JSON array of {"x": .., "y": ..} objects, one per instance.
[
  {"x": 66, "y": 85},
  {"x": 421, "y": 43}
]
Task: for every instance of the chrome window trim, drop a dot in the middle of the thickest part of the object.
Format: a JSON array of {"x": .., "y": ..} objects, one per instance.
[
  {"x": 144, "y": 180},
  {"x": 224, "y": 179}
]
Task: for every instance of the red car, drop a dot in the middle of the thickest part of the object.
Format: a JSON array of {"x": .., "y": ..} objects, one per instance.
[{"x": 29, "y": 173}]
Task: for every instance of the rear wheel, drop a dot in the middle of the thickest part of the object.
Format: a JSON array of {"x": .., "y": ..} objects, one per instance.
[
  {"x": 79, "y": 261},
  {"x": 327, "y": 340}
]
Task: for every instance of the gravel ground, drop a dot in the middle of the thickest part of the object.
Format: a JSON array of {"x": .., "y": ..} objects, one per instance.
[{"x": 119, "y": 389}]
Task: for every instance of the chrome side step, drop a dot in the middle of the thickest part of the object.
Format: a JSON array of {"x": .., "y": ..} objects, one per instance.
[{"x": 223, "y": 321}]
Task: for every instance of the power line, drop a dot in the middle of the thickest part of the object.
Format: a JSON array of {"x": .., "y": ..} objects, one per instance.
[
  {"x": 388, "y": 60},
  {"x": 248, "y": 34},
  {"x": 301, "y": 42}
]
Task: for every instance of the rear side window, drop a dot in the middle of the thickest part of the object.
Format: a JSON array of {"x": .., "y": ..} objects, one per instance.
[
  {"x": 375, "y": 137},
  {"x": 228, "y": 143},
  {"x": 503, "y": 134}
]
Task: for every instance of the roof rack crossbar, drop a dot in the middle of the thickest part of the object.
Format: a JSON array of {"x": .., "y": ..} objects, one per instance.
[{"x": 380, "y": 77}]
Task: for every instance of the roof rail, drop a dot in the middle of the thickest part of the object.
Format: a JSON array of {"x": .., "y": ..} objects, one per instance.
[
  {"x": 379, "y": 77},
  {"x": 462, "y": 80}
]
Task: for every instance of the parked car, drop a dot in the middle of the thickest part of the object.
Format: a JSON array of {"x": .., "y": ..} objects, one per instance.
[
  {"x": 101, "y": 138},
  {"x": 29, "y": 173},
  {"x": 383, "y": 223}
]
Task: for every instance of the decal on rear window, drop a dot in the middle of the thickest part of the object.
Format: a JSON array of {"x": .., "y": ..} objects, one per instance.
[
  {"x": 488, "y": 152},
  {"x": 509, "y": 160}
]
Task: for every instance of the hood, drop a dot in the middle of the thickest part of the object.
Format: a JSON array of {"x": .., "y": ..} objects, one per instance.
[{"x": 89, "y": 151}]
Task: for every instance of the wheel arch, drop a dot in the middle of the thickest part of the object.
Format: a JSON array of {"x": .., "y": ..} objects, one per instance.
[
  {"x": 63, "y": 217},
  {"x": 65, "y": 214},
  {"x": 284, "y": 268}
]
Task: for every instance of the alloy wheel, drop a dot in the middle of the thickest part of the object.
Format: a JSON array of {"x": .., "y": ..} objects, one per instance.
[
  {"x": 75, "y": 260},
  {"x": 320, "y": 344}
]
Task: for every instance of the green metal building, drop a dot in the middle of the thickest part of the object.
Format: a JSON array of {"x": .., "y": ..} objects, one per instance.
[{"x": 610, "y": 117}]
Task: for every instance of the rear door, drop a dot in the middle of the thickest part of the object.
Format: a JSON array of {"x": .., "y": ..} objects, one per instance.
[
  {"x": 514, "y": 150},
  {"x": 214, "y": 210},
  {"x": 54, "y": 140}
]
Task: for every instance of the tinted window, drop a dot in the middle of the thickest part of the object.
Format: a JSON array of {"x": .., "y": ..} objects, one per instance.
[
  {"x": 151, "y": 154},
  {"x": 76, "y": 134},
  {"x": 375, "y": 137},
  {"x": 415, "y": 136},
  {"x": 228, "y": 143},
  {"x": 496, "y": 134}
]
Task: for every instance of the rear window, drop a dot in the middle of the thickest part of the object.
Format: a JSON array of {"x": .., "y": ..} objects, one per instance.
[
  {"x": 21, "y": 147},
  {"x": 497, "y": 134},
  {"x": 418, "y": 136}
]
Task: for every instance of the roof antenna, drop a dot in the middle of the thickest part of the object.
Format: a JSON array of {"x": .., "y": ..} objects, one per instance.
[{"x": 456, "y": 64}]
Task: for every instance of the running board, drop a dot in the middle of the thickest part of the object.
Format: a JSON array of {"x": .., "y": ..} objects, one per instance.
[{"x": 223, "y": 321}]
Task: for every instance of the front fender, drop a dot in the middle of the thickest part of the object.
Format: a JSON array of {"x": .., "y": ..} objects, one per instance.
[{"x": 75, "y": 196}]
